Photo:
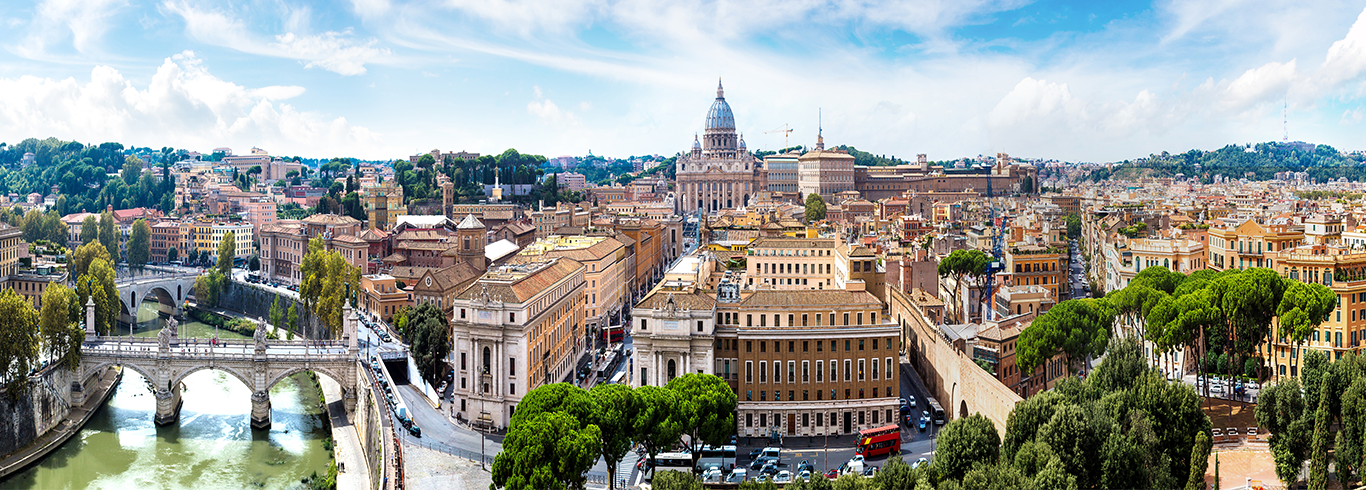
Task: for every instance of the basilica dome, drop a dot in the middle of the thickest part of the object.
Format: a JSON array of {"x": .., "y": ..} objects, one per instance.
[{"x": 720, "y": 117}]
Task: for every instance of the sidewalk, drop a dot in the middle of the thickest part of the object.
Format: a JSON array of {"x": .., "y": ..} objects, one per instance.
[{"x": 352, "y": 469}]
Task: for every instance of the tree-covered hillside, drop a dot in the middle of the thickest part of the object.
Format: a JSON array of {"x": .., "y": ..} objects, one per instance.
[
  {"x": 1262, "y": 161},
  {"x": 83, "y": 175}
]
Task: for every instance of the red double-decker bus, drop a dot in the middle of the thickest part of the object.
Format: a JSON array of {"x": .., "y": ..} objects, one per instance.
[{"x": 879, "y": 441}]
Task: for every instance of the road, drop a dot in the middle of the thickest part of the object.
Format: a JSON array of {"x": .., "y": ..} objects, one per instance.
[{"x": 1080, "y": 288}]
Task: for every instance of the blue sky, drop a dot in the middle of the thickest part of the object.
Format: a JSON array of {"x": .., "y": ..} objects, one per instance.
[{"x": 1074, "y": 80}]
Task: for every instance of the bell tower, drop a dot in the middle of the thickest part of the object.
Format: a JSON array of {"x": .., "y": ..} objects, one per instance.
[{"x": 470, "y": 239}]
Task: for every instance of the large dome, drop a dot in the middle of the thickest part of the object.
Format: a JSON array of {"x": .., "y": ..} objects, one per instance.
[{"x": 719, "y": 116}]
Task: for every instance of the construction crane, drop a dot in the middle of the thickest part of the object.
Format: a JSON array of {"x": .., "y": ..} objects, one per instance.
[{"x": 785, "y": 130}]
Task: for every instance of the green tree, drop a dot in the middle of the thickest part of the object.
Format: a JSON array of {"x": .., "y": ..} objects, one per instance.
[
  {"x": 227, "y": 250},
  {"x": 615, "y": 416},
  {"x": 54, "y": 230},
  {"x": 62, "y": 336},
  {"x": 99, "y": 280},
  {"x": 1348, "y": 447},
  {"x": 815, "y": 208},
  {"x": 172, "y": 254},
  {"x": 18, "y": 342},
  {"x": 1318, "y": 458},
  {"x": 1199, "y": 462},
  {"x": 430, "y": 341},
  {"x": 90, "y": 230},
  {"x": 327, "y": 280},
  {"x": 549, "y": 450},
  {"x": 965, "y": 442},
  {"x": 1281, "y": 411},
  {"x": 1073, "y": 226},
  {"x": 1079, "y": 328},
  {"x": 1303, "y": 307},
  {"x": 207, "y": 288},
  {"x": 706, "y": 410},
  {"x": 109, "y": 235},
  {"x": 139, "y": 244},
  {"x": 276, "y": 316},
  {"x": 675, "y": 480},
  {"x": 293, "y": 318},
  {"x": 254, "y": 263},
  {"x": 960, "y": 264},
  {"x": 85, "y": 255},
  {"x": 657, "y": 425}
]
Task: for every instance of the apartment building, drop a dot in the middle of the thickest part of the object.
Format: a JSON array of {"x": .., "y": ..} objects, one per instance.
[
  {"x": 1243, "y": 244},
  {"x": 610, "y": 270},
  {"x": 786, "y": 263},
  {"x": 1033, "y": 265},
  {"x": 515, "y": 328},
  {"x": 166, "y": 236},
  {"x": 383, "y": 205},
  {"x": 1344, "y": 271},
  {"x": 205, "y": 235},
  {"x": 284, "y": 244},
  {"x": 380, "y": 296}
]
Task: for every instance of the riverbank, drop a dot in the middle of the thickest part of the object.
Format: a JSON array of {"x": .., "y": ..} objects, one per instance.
[
  {"x": 353, "y": 473},
  {"x": 96, "y": 395}
]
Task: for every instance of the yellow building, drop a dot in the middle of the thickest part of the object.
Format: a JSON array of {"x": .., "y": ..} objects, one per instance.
[
  {"x": 205, "y": 236},
  {"x": 1038, "y": 266},
  {"x": 609, "y": 269},
  {"x": 1242, "y": 246},
  {"x": 1344, "y": 272},
  {"x": 383, "y": 205}
]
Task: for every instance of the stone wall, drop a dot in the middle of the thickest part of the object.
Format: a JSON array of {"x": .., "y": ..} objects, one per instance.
[
  {"x": 254, "y": 302},
  {"x": 369, "y": 427},
  {"x": 46, "y": 404},
  {"x": 953, "y": 377}
]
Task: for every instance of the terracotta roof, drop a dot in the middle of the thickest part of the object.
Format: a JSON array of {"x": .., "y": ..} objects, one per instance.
[
  {"x": 811, "y": 297},
  {"x": 374, "y": 235},
  {"x": 396, "y": 258},
  {"x": 521, "y": 288},
  {"x": 331, "y": 219},
  {"x": 452, "y": 277},
  {"x": 422, "y": 235},
  {"x": 409, "y": 274},
  {"x": 786, "y": 242},
  {"x": 597, "y": 251},
  {"x": 348, "y": 239},
  {"x": 659, "y": 298},
  {"x": 415, "y": 245}
]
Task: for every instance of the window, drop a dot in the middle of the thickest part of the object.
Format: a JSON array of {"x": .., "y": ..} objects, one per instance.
[
  {"x": 644, "y": 380},
  {"x": 805, "y": 347},
  {"x": 820, "y": 371},
  {"x": 749, "y": 371},
  {"x": 763, "y": 320},
  {"x": 874, "y": 368},
  {"x": 860, "y": 344},
  {"x": 763, "y": 372},
  {"x": 860, "y": 318},
  {"x": 834, "y": 371},
  {"x": 512, "y": 388},
  {"x": 749, "y": 346},
  {"x": 889, "y": 371},
  {"x": 791, "y": 395},
  {"x": 874, "y": 344},
  {"x": 804, "y": 323},
  {"x": 699, "y": 325},
  {"x": 512, "y": 318},
  {"x": 763, "y": 397},
  {"x": 462, "y": 361},
  {"x": 749, "y": 417},
  {"x": 846, "y": 319},
  {"x": 643, "y": 325},
  {"x": 806, "y": 417},
  {"x": 791, "y": 372},
  {"x": 749, "y": 320},
  {"x": 846, "y": 345},
  {"x": 790, "y": 321},
  {"x": 512, "y": 366},
  {"x": 791, "y": 346},
  {"x": 819, "y": 345},
  {"x": 462, "y": 312},
  {"x": 846, "y": 370},
  {"x": 763, "y": 346},
  {"x": 860, "y": 370}
]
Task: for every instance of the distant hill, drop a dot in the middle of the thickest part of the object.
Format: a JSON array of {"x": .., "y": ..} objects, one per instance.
[{"x": 1256, "y": 162}]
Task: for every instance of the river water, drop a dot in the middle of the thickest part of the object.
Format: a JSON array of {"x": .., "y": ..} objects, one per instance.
[{"x": 211, "y": 447}]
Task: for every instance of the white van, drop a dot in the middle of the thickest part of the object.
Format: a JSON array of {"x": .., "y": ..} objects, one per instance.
[{"x": 770, "y": 453}]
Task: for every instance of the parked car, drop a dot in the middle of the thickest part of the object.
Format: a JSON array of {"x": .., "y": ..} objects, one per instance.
[
  {"x": 783, "y": 476},
  {"x": 769, "y": 468},
  {"x": 736, "y": 476}
]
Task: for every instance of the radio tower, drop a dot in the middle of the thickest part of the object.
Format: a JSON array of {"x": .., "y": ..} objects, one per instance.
[{"x": 1285, "y": 122}]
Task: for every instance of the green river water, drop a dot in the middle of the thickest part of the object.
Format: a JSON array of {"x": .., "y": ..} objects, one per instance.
[{"x": 212, "y": 446}]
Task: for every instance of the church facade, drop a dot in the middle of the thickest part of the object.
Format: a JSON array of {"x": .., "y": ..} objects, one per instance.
[{"x": 719, "y": 172}]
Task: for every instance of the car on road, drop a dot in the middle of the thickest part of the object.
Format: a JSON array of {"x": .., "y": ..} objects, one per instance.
[
  {"x": 924, "y": 422},
  {"x": 911, "y": 401},
  {"x": 805, "y": 466},
  {"x": 870, "y": 472},
  {"x": 783, "y": 476},
  {"x": 832, "y": 474},
  {"x": 769, "y": 468},
  {"x": 753, "y": 455},
  {"x": 415, "y": 430},
  {"x": 736, "y": 476},
  {"x": 919, "y": 462}
]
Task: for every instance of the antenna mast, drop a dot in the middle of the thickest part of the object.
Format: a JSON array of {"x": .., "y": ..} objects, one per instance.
[{"x": 1285, "y": 121}]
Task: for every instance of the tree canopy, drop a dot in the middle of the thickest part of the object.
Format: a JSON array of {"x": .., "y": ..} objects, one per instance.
[{"x": 815, "y": 208}]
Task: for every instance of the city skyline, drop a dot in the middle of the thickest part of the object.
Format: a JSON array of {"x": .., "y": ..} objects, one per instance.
[{"x": 382, "y": 79}]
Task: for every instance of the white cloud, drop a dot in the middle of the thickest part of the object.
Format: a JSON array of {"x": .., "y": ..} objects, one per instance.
[
  {"x": 333, "y": 51},
  {"x": 370, "y": 8},
  {"x": 183, "y": 105},
  {"x": 1258, "y": 85},
  {"x": 1346, "y": 59},
  {"x": 85, "y": 21}
]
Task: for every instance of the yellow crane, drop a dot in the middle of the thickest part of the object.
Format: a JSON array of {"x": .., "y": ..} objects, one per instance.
[{"x": 785, "y": 130}]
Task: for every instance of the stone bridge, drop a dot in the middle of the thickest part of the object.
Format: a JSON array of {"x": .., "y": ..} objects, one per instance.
[
  {"x": 170, "y": 289},
  {"x": 166, "y": 360}
]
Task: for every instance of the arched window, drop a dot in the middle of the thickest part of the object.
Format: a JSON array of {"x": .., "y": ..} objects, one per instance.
[
  {"x": 488, "y": 360},
  {"x": 673, "y": 370}
]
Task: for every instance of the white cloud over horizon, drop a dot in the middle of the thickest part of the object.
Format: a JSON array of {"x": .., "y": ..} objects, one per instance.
[{"x": 385, "y": 78}]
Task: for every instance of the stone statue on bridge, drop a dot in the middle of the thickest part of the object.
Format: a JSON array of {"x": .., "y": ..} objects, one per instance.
[
  {"x": 164, "y": 336},
  {"x": 260, "y": 336}
]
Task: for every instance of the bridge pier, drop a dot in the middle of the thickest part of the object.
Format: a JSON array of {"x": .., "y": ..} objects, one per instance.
[
  {"x": 168, "y": 405},
  {"x": 260, "y": 410}
]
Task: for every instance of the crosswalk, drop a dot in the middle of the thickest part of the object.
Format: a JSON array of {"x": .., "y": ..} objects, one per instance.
[{"x": 626, "y": 468}]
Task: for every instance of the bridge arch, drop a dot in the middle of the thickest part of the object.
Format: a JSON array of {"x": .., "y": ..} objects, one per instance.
[
  {"x": 246, "y": 380},
  {"x": 280, "y": 376},
  {"x": 99, "y": 368}
]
